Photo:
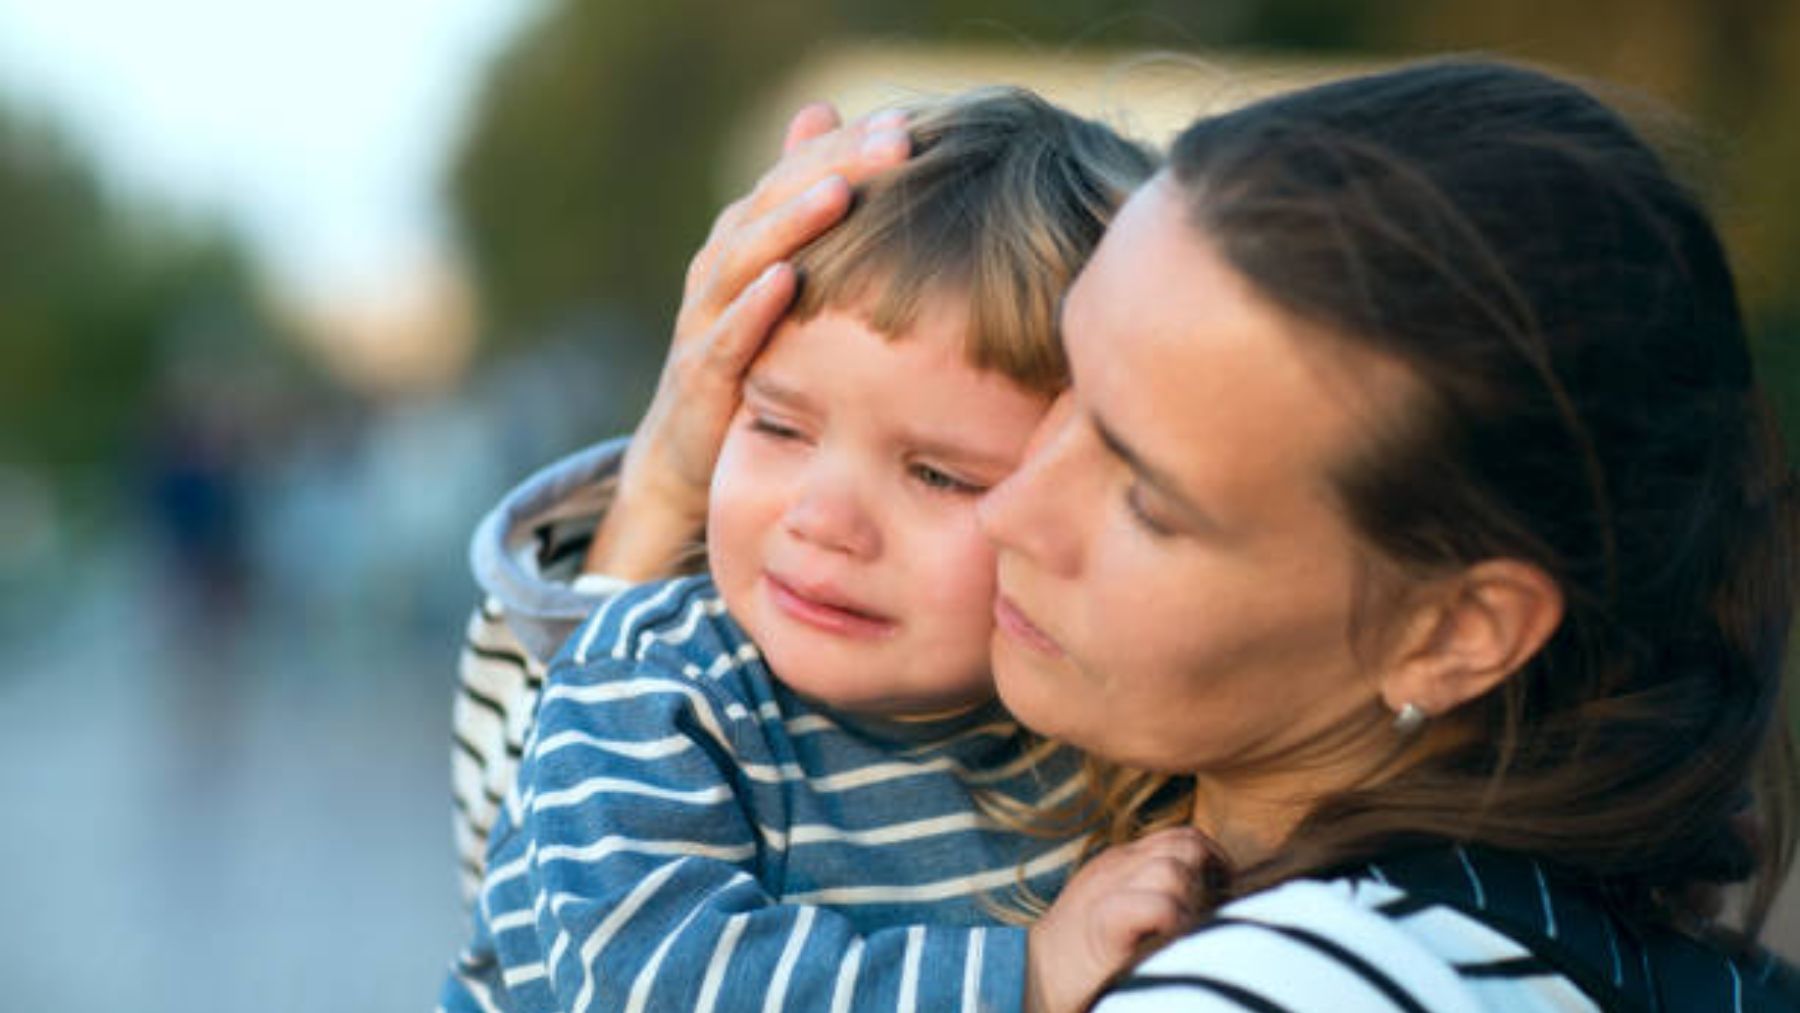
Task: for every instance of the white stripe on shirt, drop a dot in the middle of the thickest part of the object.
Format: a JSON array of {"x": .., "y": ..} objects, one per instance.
[
  {"x": 971, "y": 997},
  {"x": 610, "y": 925},
  {"x": 960, "y": 886},
  {"x": 715, "y": 968},
  {"x": 844, "y": 992},
  {"x": 639, "y": 998},
  {"x": 784, "y": 968},
  {"x": 909, "y": 974}
]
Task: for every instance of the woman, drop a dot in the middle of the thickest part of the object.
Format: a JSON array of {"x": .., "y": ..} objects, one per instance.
[
  {"x": 1415, "y": 487},
  {"x": 1414, "y": 528}
]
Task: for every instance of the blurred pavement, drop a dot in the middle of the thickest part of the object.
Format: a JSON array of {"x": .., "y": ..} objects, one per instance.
[{"x": 259, "y": 824}]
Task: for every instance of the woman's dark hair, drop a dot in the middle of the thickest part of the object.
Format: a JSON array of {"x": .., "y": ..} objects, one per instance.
[{"x": 1586, "y": 403}]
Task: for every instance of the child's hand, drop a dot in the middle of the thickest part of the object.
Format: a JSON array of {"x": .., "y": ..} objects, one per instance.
[
  {"x": 1125, "y": 898},
  {"x": 737, "y": 287}
]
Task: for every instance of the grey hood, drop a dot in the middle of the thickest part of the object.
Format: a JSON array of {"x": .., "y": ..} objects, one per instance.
[{"x": 527, "y": 552}]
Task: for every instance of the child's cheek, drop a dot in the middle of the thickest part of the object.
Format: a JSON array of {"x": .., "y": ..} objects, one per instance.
[{"x": 963, "y": 576}]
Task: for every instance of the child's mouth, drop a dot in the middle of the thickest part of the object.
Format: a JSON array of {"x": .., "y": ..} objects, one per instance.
[{"x": 827, "y": 609}]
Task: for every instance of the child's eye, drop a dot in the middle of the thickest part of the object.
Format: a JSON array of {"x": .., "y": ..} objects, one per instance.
[
  {"x": 1135, "y": 503},
  {"x": 771, "y": 428},
  {"x": 944, "y": 481}
]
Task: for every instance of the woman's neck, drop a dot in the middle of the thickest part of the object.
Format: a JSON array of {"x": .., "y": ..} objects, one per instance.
[
  {"x": 1248, "y": 822},
  {"x": 1250, "y": 814}
]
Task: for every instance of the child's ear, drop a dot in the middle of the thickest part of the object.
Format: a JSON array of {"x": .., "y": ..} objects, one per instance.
[{"x": 1468, "y": 633}]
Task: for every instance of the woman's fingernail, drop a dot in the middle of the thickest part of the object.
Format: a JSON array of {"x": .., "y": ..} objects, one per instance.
[
  {"x": 768, "y": 274},
  {"x": 820, "y": 191},
  {"x": 885, "y": 143},
  {"x": 887, "y": 119}
]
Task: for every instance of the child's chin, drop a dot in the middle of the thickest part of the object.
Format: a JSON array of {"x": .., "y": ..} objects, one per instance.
[
  {"x": 840, "y": 684},
  {"x": 853, "y": 690}
]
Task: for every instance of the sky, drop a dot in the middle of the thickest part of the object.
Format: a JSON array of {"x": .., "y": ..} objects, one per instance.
[{"x": 319, "y": 128}]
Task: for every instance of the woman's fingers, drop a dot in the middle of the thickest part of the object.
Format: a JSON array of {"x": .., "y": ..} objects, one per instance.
[
  {"x": 850, "y": 153},
  {"x": 855, "y": 152},
  {"x": 745, "y": 325},
  {"x": 773, "y": 237},
  {"x": 738, "y": 286},
  {"x": 814, "y": 120}
]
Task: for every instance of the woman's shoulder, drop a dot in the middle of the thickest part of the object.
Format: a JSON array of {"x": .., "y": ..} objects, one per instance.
[
  {"x": 1315, "y": 945},
  {"x": 1443, "y": 929}
]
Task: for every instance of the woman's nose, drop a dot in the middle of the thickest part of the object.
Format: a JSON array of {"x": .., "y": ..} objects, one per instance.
[
  {"x": 1033, "y": 511},
  {"x": 829, "y": 512}
]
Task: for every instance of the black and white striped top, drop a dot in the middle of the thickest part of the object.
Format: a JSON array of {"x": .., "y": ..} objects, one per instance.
[
  {"x": 526, "y": 555},
  {"x": 1345, "y": 946},
  {"x": 1470, "y": 930}
]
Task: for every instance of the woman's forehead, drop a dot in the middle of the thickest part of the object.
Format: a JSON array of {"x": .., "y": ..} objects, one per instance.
[{"x": 1184, "y": 361}]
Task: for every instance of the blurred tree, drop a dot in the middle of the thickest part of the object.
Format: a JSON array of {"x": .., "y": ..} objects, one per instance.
[
  {"x": 93, "y": 296},
  {"x": 585, "y": 179}
]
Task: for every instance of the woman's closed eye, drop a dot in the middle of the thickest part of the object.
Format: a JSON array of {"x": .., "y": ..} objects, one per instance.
[{"x": 1143, "y": 515}]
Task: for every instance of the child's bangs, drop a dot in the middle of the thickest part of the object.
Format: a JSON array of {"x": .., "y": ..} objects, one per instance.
[
  {"x": 895, "y": 251},
  {"x": 1004, "y": 198}
]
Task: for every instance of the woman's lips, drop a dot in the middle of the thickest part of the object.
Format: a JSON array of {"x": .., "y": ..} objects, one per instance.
[
  {"x": 828, "y": 610},
  {"x": 1013, "y": 622}
]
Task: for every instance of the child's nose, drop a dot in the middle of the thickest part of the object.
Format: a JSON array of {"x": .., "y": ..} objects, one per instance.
[{"x": 829, "y": 513}]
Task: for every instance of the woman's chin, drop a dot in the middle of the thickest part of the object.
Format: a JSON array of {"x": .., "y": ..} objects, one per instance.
[{"x": 1032, "y": 688}]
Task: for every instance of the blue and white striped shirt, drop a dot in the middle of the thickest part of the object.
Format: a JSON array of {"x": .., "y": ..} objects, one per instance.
[{"x": 686, "y": 833}]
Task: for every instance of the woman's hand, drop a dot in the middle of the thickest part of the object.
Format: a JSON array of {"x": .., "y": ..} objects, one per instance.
[
  {"x": 1126, "y": 898},
  {"x": 738, "y": 286}
]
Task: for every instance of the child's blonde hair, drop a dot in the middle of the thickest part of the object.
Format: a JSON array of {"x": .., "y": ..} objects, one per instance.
[{"x": 1003, "y": 200}]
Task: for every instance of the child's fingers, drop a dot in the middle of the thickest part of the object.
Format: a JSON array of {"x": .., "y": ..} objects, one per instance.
[
  {"x": 1184, "y": 845},
  {"x": 1135, "y": 915},
  {"x": 1155, "y": 901},
  {"x": 1183, "y": 841},
  {"x": 1168, "y": 864},
  {"x": 813, "y": 120}
]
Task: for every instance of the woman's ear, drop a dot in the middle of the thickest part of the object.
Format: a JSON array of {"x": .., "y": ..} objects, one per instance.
[{"x": 1466, "y": 634}]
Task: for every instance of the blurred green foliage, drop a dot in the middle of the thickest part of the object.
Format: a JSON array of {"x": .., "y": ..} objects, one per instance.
[
  {"x": 96, "y": 297},
  {"x": 585, "y": 179}
]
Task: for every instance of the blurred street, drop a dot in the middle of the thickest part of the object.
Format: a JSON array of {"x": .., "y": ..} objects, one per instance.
[
  {"x": 225, "y": 728},
  {"x": 258, "y": 821}
]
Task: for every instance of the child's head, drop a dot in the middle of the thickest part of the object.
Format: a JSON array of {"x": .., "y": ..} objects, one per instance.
[{"x": 916, "y": 362}]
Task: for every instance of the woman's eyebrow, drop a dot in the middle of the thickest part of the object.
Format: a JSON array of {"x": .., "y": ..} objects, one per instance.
[{"x": 1157, "y": 478}]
